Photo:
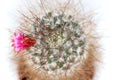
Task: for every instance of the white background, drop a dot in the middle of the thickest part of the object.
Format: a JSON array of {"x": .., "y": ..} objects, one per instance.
[{"x": 108, "y": 20}]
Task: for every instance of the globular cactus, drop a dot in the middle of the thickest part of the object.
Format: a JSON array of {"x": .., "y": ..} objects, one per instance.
[{"x": 55, "y": 40}]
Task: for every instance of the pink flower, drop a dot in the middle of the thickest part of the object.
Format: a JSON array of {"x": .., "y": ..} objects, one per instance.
[{"x": 21, "y": 42}]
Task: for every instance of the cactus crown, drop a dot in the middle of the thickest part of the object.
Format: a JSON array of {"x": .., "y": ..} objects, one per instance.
[{"x": 59, "y": 44}]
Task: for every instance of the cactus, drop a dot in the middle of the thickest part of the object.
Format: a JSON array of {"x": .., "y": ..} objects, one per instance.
[{"x": 55, "y": 43}]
